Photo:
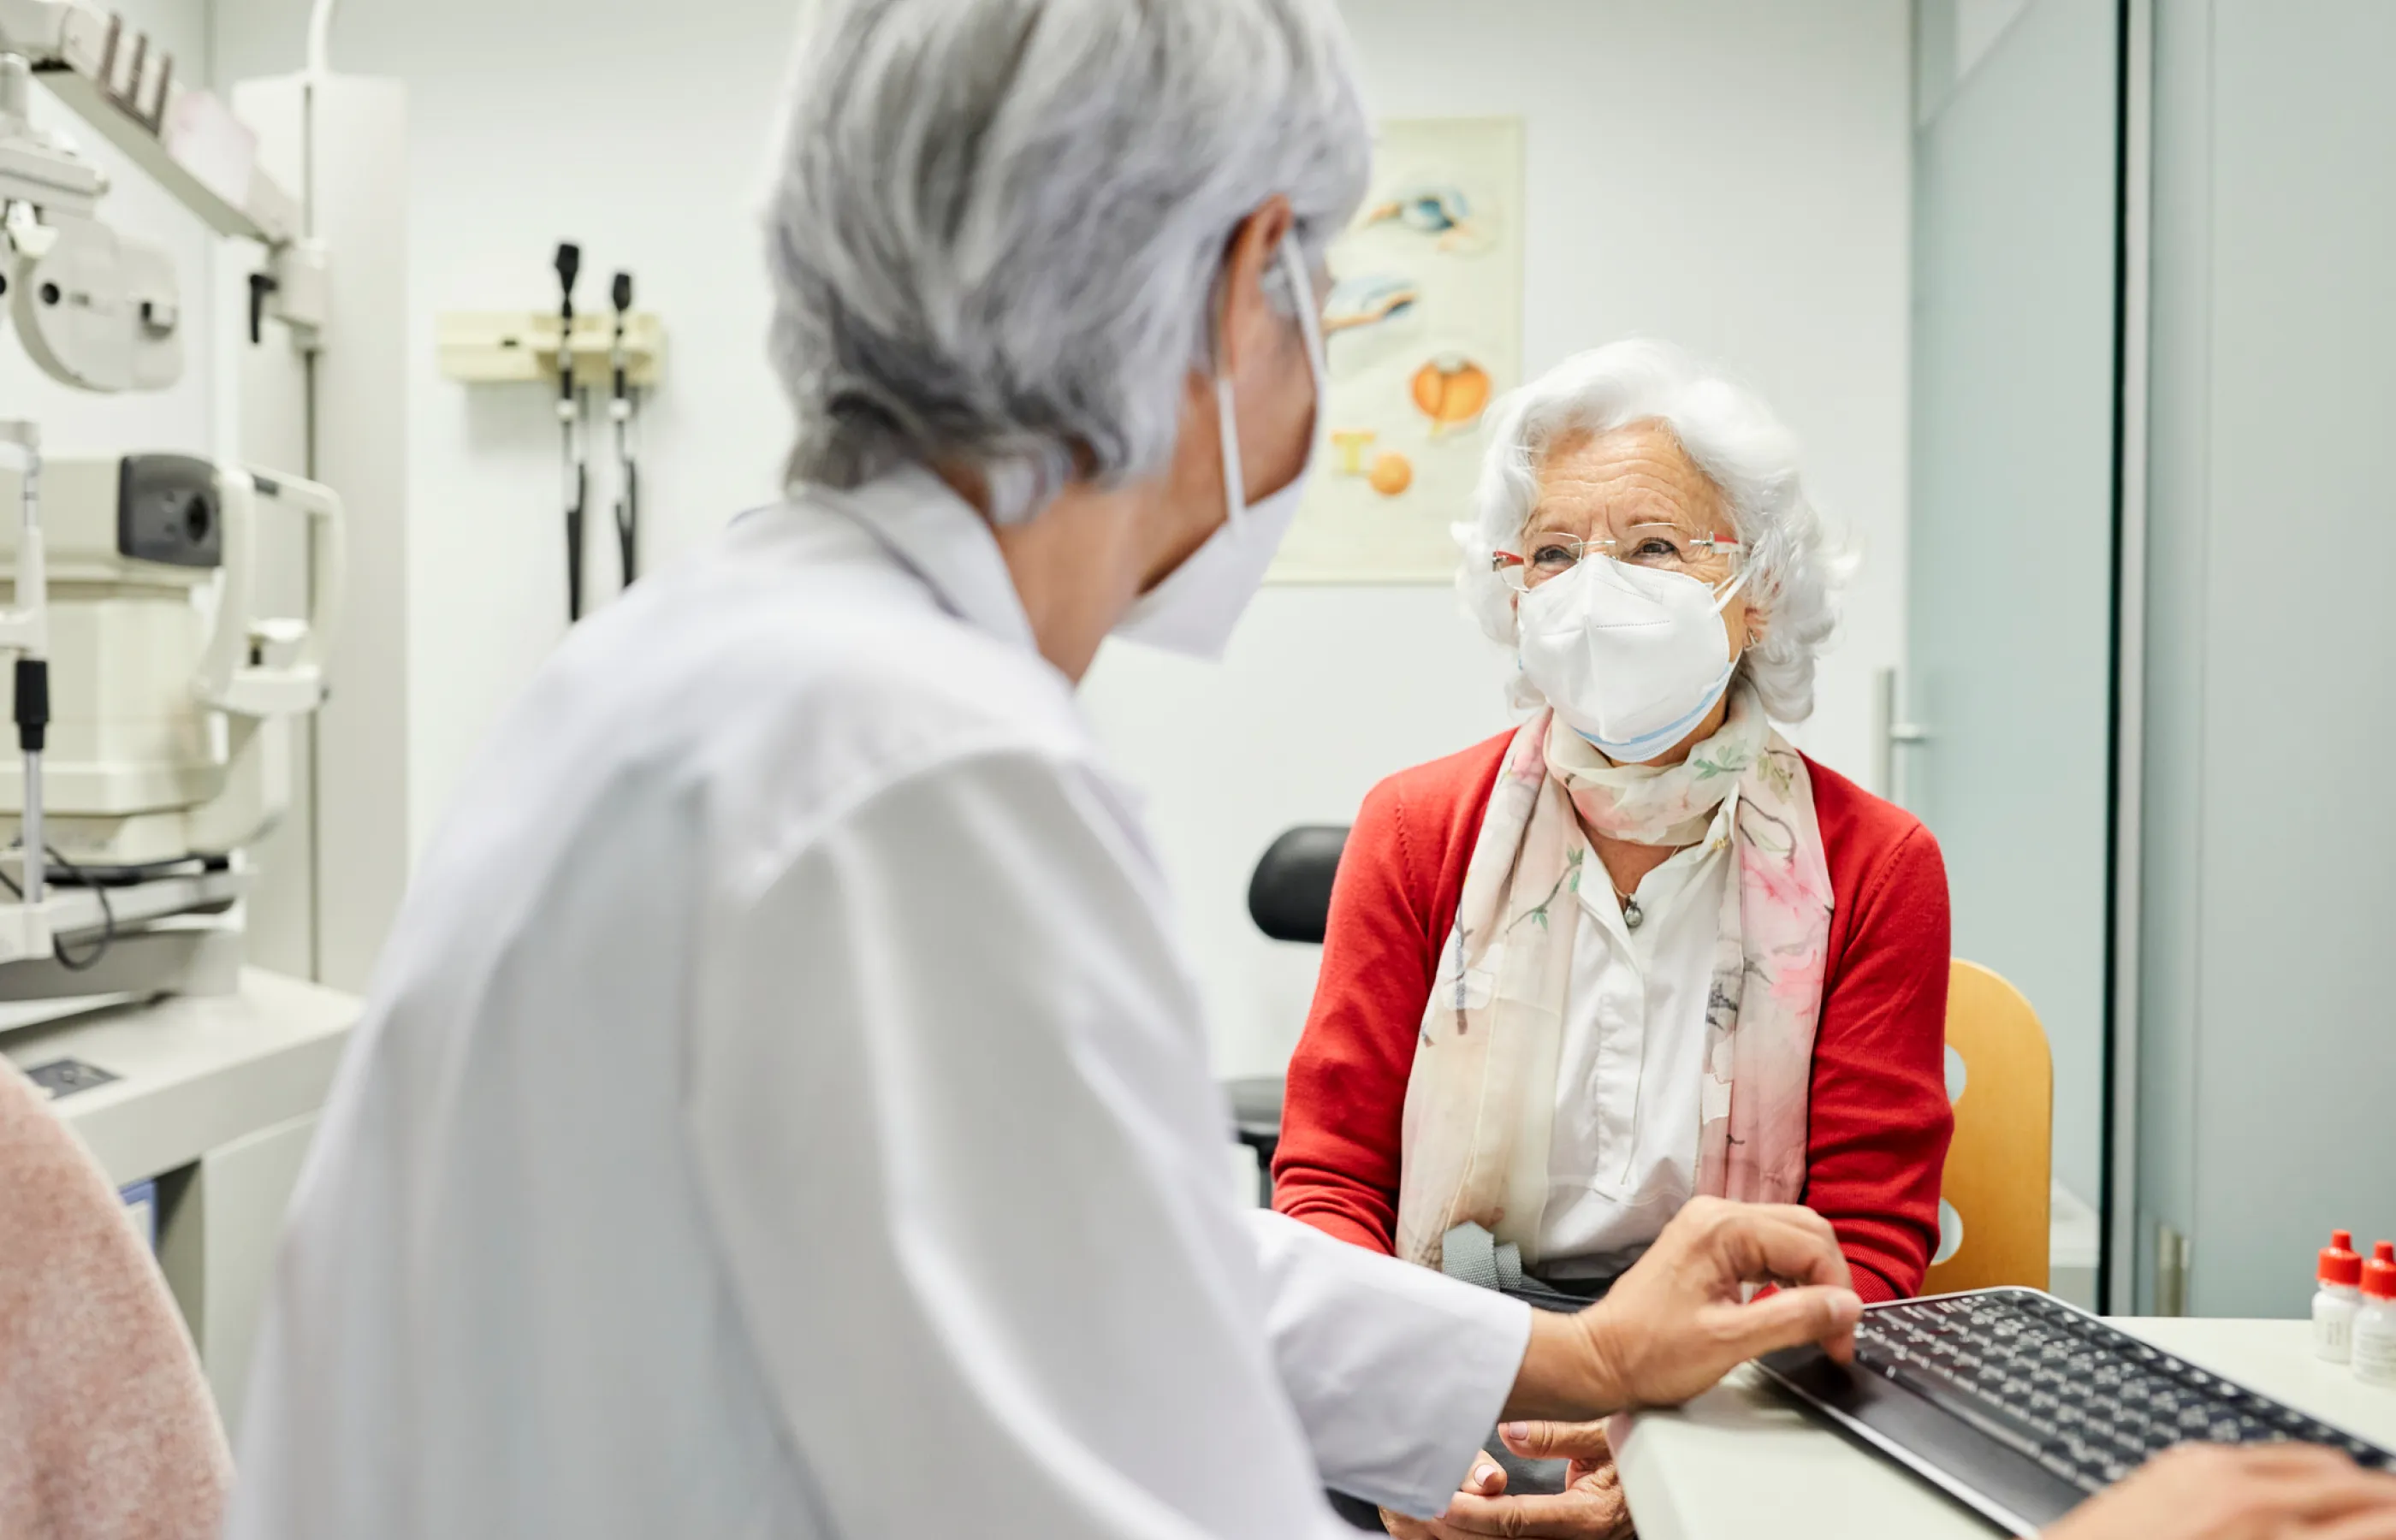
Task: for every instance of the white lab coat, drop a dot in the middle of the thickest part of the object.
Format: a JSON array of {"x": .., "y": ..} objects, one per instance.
[{"x": 782, "y": 1109}]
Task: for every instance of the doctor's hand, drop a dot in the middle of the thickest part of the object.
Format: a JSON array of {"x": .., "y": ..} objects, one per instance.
[
  {"x": 1674, "y": 1325},
  {"x": 1592, "y": 1506},
  {"x": 2273, "y": 1492}
]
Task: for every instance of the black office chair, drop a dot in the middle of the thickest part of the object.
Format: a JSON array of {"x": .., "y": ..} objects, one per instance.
[{"x": 1289, "y": 898}]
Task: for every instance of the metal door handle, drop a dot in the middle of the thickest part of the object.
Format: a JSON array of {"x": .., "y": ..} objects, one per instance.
[
  {"x": 2173, "y": 1254},
  {"x": 1891, "y": 731}
]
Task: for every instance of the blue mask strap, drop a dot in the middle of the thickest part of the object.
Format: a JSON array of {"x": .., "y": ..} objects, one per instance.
[{"x": 1640, "y": 750}]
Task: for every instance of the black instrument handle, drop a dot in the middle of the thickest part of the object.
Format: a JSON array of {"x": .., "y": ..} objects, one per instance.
[
  {"x": 574, "y": 548},
  {"x": 628, "y": 525}
]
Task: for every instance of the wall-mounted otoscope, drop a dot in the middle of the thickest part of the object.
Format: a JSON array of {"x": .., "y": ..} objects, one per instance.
[
  {"x": 607, "y": 347},
  {"x": 569, "y": 417},
  {"x": 624, "y": 410}
]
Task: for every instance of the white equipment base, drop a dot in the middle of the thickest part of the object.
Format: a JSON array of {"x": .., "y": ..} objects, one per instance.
[{"x": 216, "y": 1099}]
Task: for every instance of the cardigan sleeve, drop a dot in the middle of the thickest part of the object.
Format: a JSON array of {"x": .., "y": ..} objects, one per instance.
[
  {"x": 1880, "y": 1118},
  {"x": 1343, "y": 1110}
]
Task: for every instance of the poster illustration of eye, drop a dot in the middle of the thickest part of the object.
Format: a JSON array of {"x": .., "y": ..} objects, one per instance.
[{"x": 1424, "y": 329}]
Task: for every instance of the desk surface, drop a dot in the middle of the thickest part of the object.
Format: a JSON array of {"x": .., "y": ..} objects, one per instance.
[
  {"x": 193, "y": 1072},
  {"x": 1738, "y": 1462}
]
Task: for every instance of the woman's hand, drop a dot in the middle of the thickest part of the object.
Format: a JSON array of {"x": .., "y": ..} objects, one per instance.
[
  {"x": 1488, "y": 1480},
  {"x": 2277, "y": 1492},
  {"x": 2197, "y": 1492},
  {"x": 1591, "y": 1508}
]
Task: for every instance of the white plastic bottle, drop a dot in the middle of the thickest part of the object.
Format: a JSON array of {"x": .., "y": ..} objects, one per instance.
[
  {"x": 2375, "y": 1324},
  {"x": 2340, "y": 1298}
]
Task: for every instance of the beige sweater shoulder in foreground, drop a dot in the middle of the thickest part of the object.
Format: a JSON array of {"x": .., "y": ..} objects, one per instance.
[{"x": 107, "y": 1431}]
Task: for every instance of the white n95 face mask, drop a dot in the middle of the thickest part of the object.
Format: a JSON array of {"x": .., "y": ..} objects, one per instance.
[
  {"x": 1195, "y": 608},
  {"x": 1631, "y": 658}
]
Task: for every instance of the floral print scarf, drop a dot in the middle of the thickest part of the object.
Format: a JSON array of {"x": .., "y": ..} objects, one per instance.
[{"x": 1481, "y": 1095}]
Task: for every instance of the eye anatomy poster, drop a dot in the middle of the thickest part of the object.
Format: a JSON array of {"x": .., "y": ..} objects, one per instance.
[{"x": 1424, "y": 327}]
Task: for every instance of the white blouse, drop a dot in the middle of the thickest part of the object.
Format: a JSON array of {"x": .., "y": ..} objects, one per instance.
[{"x": 1622, "y": 1156}]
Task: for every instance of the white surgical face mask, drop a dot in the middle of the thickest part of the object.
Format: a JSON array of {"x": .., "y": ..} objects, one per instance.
[
  {"x": 1630, "y": 657},
  {"x": 1194, "y": 609}
]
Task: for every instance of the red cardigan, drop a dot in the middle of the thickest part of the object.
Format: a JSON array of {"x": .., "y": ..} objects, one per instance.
[{"x": 1879, "y": 1115}]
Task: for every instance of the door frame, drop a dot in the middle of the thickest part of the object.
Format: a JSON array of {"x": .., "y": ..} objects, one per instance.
[{"x": 2117, "y": 1271}]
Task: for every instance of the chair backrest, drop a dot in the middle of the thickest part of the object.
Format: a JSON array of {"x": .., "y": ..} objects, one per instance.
[
  {"x": 1289, "y": 898},
  {"x": 1993, "y": 1204}
]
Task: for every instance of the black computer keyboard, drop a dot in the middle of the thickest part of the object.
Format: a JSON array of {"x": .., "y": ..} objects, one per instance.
[{"x": 2021, "y": 1406}]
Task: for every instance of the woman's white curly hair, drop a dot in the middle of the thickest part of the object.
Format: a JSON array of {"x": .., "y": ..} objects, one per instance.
[{"x": 1795, "y": 564}]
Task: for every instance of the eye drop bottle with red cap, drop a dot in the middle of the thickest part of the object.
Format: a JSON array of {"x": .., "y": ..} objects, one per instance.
[
  {"x": 2375, "y": 1324},
  {"x": 2339, "y": 1297}
]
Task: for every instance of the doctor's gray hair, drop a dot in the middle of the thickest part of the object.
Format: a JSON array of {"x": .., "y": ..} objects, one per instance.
[
  {"x": 1795, "y": 564},
  {"x": 997, "y": 226}
]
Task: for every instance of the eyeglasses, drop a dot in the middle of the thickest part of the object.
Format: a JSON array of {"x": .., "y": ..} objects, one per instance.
[{"x": 1666, "y": 548}]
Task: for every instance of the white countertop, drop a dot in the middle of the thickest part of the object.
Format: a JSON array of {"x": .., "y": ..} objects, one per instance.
[
  {"x": 1739, "y": 1462},
  {"x": 195, "y": 1070}
]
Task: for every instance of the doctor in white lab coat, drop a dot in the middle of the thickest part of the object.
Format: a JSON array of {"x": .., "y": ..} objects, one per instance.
[{"x": 783, "y": 1108}]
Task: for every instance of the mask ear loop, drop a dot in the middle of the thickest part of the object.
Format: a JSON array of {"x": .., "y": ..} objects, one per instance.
[
  {"x": 1310, "y": 331},
  {"x": 1729, "y": 592},
  {"x": 1236, "y": 491},
  {"x": 1301, "y": 289}
]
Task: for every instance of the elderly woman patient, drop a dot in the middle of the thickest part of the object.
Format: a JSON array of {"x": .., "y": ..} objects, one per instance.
[{"x": 1638, "y": 949}]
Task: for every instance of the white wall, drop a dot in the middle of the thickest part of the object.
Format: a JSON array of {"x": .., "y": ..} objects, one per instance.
[
  {"x": 623, "y": 125},
  {"x": 1728, "y": 173}
]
